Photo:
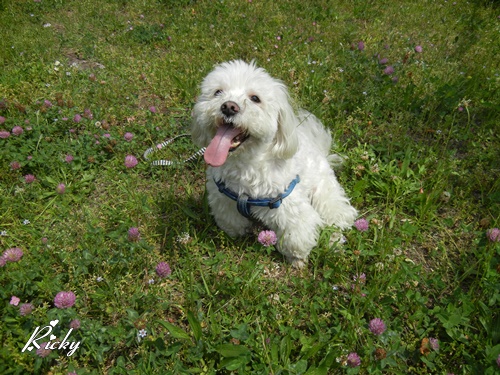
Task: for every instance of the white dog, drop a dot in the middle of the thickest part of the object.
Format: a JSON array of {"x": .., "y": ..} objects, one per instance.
[{"x": 266, "y": 162}]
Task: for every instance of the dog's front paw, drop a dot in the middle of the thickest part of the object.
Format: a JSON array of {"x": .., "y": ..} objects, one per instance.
[{"x": 297, "y": 262}]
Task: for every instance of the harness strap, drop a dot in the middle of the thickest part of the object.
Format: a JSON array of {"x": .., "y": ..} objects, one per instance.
[{"x": 244, "y": 202}]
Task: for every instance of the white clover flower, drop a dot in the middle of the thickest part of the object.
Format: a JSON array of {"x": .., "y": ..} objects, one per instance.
[{"x": 183, "y": 238}]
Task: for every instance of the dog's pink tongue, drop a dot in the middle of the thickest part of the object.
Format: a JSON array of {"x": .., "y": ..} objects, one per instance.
[{"x": 218, "y": 149}]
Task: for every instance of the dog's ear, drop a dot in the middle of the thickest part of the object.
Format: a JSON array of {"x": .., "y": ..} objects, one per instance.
[
  {"x": 200, "y": 132},
  {"x": 286, "y": 141},
  {"x": 197, "y": 132}
]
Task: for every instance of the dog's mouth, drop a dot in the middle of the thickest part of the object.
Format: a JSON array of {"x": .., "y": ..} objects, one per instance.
[
  {"x": 227, "y": 139},
  {"x": 238, "y": 140}
]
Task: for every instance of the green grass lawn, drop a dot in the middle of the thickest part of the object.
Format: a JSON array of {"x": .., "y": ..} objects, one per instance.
[{"x": 410, "y": 91}]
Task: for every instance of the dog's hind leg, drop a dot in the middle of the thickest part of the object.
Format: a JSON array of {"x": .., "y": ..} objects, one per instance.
[{"x": 330, "y": 201}]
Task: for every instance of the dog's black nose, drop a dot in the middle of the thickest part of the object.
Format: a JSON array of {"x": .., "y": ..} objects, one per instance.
[{"x": 229, "y": 108}]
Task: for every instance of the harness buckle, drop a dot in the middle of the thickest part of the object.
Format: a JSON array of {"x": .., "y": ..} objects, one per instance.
[{"x": 275, "y": 202}]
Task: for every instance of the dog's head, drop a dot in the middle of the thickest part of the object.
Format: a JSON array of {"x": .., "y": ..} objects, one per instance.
[{"x": 242, "y": 107}]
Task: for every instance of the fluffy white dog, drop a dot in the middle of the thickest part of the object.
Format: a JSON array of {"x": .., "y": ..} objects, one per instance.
[{"x": 266, "y": 162}]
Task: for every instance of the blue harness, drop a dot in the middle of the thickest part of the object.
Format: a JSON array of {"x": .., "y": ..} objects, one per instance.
[{"x": 244, "y": 203}]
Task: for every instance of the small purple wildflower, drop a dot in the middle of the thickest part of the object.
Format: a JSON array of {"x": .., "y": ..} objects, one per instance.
[
  {"x": 42, "y": 352},
  {"x": 88, "y": 114},
  {"x": 69, "y": 158},
  {"x": 128, "y": 136},
  {"x": 493, "y": 234},
  {"x": 133, "y": 234},
  {"x": 75, "y": 324},
  {"x": 61, "y": 188},
  {"x": 418, "y": 49},
  {"x": 383, "y": 61},
  {"x": 361, "y": 46},
  {"x": 130, "y": 161},
  {"x": 13, "y": 254},
  {"x": 77, "y": 118},
  {"x": 389, "y": 70},
  {"x": 267, "y": 238},
  {"x": 64, "y": 300},
  {"x": 29, "y": 178},
  {"x": 15, "y": 165},
  {"x": 361, "y": 225},
  {"x": 434, "y": 343},
  {"x": 4, "y": 134},
  {"x": 152, "y": 109},
  {"x": 17, "y": 130},
  {"x": 353, "y": 360},
  {"x": 47, "y": 103},
  {"x": 14, "y": 301},
  {"x": 2, "y": 120},
  {"x": 377, "y": 326},
  {"x": 25, "y": 309},
  {"x": 361, "y": 278},
  {"x": 163, "y": 269}
]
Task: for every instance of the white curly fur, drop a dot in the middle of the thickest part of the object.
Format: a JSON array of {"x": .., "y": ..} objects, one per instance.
[{"x": 281, "y": 144}]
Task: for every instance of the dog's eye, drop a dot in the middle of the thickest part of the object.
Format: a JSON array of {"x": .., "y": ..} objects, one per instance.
[
  {"x": 218, "y": 92},
  {"x": 255, "y": 99}
]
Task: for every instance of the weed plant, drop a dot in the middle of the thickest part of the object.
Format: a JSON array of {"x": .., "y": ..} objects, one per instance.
[{"x": 410, "y": 91}]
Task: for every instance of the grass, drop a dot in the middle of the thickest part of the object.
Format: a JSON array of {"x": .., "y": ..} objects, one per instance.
[{"x": 422, "y": 167}]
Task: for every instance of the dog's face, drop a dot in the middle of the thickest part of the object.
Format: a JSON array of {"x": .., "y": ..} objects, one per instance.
[{"x": 240, "y": 108}]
